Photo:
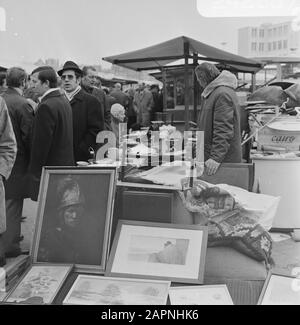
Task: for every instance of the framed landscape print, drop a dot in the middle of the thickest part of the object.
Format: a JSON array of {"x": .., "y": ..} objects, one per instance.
[
  {"x": 200, "y": 295},
  {"x": 158, "y": 251},
  {"x": 74, "y": 217},
  {"x": 97, "y": 290},
  {"x": 280, "y": 290},
  {"x": 39, "y": 285}
]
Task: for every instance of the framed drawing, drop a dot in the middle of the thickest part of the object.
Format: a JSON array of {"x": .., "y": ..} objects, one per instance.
[
  {"x": 280, "y": 290},
  {"x": 39, "y": 285},
  {"x": 97, "y": 290},
  {"x": 74, "y": 217},
  {"x": 200, "y": 295},
  {"x": 158, "y": 251}
]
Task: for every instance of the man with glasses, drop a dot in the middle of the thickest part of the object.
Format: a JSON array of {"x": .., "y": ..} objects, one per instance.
[
  {"x": 88, "y": 118},
  {"x": 88, "y": 84}
]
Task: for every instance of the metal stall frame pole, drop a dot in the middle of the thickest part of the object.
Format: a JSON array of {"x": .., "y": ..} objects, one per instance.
[
  {"x": 165, "y": 92},
  {"x": 253, "y": 82},
  {"x": 196, "y": 88},
  {"x": 186, "y": 48}
]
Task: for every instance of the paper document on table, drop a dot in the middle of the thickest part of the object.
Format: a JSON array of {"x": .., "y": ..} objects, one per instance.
[
  {"x": 170, "y": 174},
  {"x": 278, "y": 237}
]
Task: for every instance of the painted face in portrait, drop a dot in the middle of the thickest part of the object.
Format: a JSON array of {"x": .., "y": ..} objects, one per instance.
[{"x": 73, "y": 215}]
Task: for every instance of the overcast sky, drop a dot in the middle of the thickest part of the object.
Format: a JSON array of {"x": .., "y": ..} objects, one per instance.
[{"x": 87, "y": 30}]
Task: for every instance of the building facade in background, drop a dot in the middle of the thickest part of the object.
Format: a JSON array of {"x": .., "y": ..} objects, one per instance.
[{"x": 269, "y": 40}]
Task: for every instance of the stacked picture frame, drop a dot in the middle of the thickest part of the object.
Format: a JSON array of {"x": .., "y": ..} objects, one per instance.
[{"x": 73, "y": 259}]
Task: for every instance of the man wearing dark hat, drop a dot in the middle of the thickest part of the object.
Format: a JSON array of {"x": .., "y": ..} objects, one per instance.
[
  {"x": 88, "y": 118},
  {"x": 52, "y": 136}
]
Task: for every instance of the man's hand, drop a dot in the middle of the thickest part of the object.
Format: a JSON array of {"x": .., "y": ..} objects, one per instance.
[{"x": 211, "y": 167}]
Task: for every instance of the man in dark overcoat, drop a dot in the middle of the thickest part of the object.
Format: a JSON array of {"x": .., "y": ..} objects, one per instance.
[
  {"x": 52, "y": 139},
  {"x": 88, "y": 118}
]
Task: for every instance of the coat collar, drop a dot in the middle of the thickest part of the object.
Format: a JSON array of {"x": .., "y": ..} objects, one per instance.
[
  {"x": 55, "y": 93},
  {"x": 78, "y": 97},
  {"x": 12, "y": 91}
]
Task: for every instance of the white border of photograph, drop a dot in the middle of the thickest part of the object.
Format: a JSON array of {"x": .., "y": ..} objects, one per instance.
[
  {"x": 200, "y": 295},
  {"x": 115, "y": 295},
  {"x": 286, "y": 293},
  {"x": 125, "y": 258},
  {"x": 65, "y": 271}
]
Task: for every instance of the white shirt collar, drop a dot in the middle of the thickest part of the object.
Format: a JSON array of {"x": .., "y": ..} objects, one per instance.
[{"x": 47, "y": 93}]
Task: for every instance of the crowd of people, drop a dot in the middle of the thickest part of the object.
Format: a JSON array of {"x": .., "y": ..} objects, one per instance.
[{"x": 52, "y": 118}]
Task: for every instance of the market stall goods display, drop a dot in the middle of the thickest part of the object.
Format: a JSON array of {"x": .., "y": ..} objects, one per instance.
[
  {"x": 200, "y": 295},
  {"x": 74, "y": 217},
  {"x": 280, "y": 290},
  {"x": 229, "y": 223},
  {"x": 158, "y": 251},
  {"x": 39, "y": 285},
  {"x": 95, "y": 290}
]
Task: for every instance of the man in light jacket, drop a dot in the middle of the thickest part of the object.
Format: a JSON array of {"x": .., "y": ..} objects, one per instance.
[{"x": 8, "y": 152}]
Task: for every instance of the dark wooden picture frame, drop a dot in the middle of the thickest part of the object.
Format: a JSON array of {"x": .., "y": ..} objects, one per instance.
[
  {"x": 92, "y": 189},
  {"x": 160, "y": 270}
]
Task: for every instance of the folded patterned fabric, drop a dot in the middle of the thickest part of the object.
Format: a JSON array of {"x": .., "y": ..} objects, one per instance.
[{"x": 228, "y": 223}]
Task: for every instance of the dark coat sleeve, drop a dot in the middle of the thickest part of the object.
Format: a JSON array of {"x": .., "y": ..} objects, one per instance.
[
  {"x": 44, "y": 127},
  {"x": 25, "y": 123},
  {"x": 95, "y": 124},
  {"x": 223, "y": 127},
  {"x": 107, "y": 115}
]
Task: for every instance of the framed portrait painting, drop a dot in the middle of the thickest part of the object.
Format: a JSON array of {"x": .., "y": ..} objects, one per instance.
[
  {"x": 39, "y": 285},
  {"x": 280, "y": 290},
  {"x": 158, "y": 251},
  {"x": 99, "y": 290},
  {"x": 74, "y": 217},
  {"x": 200, "y": 295}
]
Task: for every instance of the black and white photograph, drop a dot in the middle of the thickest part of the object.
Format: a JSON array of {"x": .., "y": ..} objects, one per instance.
[
  {"x": 40, "y": 285},
  {"x": 200, "y": 295},
  {"x": 152, "y": 140},
  {"x": 158, "y": 250},
  {"x": 92, "y": 290},
  {"x": 175, "y": 253},
  {"x": 75, "y": 217},
  {"x": 280, "y": 290}
]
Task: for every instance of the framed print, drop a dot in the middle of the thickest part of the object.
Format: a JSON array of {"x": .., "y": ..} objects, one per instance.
[
  {"x": 280, "y": 290},
  {"x": 39, "y": 285},
  {"x": 74, "y": 217},
  {"x": 200, "y": 295},
  {"x": 158, "y": 251},
  {"x": 97, "y": 290}
]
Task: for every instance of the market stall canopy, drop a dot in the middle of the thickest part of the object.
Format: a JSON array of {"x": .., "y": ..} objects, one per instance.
[{"x": 160, "y": 55}]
